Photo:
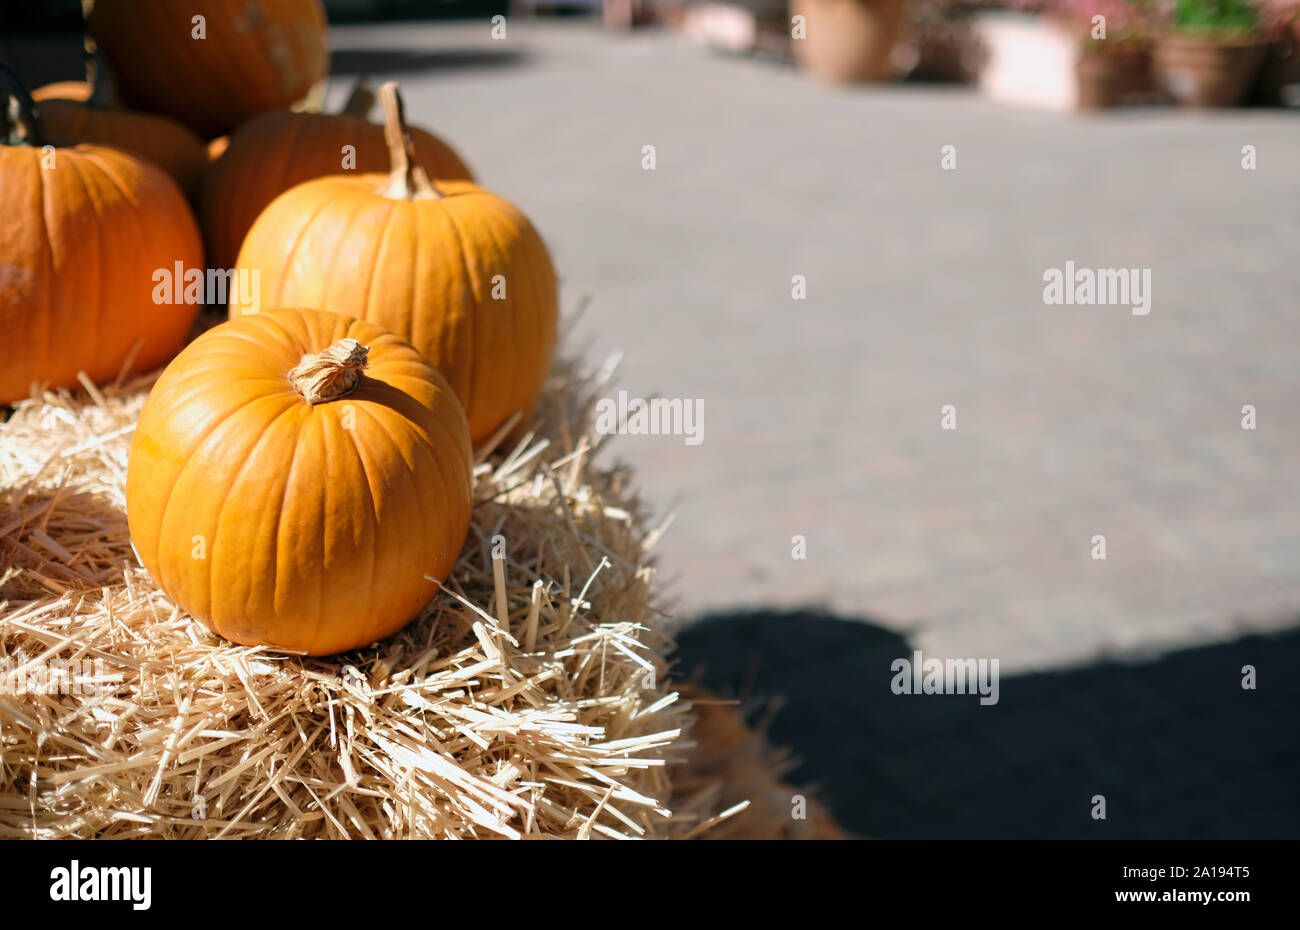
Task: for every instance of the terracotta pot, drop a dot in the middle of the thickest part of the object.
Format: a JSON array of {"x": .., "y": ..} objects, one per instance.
[
  {"x": 1135, "y": 80},
  {"x": 1207, "y": 72},
  {"x": 847, "y": 40},
  {"x": 1099, "y": 78}
]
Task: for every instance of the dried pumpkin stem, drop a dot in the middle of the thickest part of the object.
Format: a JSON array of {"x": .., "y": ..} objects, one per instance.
[
  {"x": 408, "y": 180},
  {"x": 330, "y": 374},
  {"x": 360, "y": 101}
]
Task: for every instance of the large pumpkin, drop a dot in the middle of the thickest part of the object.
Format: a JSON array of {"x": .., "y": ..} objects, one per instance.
[
  {"x": 253, "y": 56},
  {"x": 163, "y": 141},
  {"x": 83, "y": 233},
  {"x": 279, "y": 150},
  {"x": 456, "y": 270},
  {"x": 295, "y": 476}
]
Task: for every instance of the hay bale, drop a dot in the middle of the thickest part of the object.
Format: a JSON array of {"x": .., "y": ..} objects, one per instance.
[
  {"x": 733, "y": 769},
  {"x": 530, "y": 699}
]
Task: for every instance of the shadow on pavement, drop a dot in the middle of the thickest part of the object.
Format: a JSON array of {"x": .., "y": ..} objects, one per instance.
[
  {"x": 1177, "y": 747},
  {"x": 405, "y": 60}
]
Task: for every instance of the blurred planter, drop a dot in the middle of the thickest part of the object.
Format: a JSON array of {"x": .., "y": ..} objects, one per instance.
[
  {"x": 847, "y": 41},
  {"x": 1113, "y": 78},
  {"x": 1099, "y": 79},
  {"x": 1204, "y": 71},
  {"x": 1281, "y": 69}
]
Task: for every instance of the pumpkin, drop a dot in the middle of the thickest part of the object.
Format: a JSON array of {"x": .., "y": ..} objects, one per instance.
[
  {"x": 84, "y": 231},
  {"x": 294, "y": 477},
  {"x": 277, "y": 151},
  {"x": 456, "y": 270},
  {"x": 253, "y": 56},
  {"x": 79, "y": 91},
  {"x": 165, "y": 142}
]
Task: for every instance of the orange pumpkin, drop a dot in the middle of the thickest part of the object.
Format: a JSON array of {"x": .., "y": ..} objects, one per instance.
[
  {"x": 277, "y": 151},
  {"x": 165, "y": 142},
  {"x": 79, "y": 91},
  {"x": 295, "y": 476},
  {"x": 84, "y": 231},
  {"x": 456, "y": 270},
  {"x": 242, "y": 58}
]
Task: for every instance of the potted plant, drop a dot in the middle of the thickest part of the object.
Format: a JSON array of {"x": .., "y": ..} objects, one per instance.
[
  {"x": 1113, "y": 66},
  {"x": 1212, "y": 53},
  {"x": 847, "y": 41}
]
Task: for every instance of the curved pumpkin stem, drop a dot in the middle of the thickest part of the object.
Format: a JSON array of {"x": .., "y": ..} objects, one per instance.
[
  {"x": 91, "y": 62},
  {"x": 331, "y": 374},
  {"x": 408, "y": 180},
  {"x": 360, "y": 101},
  {"x": 20, "y": 123},
  {"x": 103, "y": 92}
]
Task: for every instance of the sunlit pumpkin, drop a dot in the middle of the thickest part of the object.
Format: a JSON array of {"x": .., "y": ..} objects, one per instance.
[
  {"x": 458, "y": 271},
  {"x": 279, "y": 150},
  {"x": 212, "y": 64},
  {"x": 165, "y": 142},
  {"x": 294, "y": 477},
  {"x": 83, "y": 232}
]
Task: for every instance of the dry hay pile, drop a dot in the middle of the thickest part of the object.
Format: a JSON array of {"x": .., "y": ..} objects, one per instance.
[{"x": 530, "y": 699}]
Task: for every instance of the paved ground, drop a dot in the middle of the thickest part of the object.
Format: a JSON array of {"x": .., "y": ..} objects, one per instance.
[{"x": 924, "y": 288}]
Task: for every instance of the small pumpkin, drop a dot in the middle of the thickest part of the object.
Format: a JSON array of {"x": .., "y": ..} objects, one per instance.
[
  {"x": 294, "y": 477},
  {"x": 242, "y": 58},
  {"x": 277, "y": 151},
  {"x": 165, "y": 142},
  {"x": 84, "y": 231},
  {"x": 459, "y": 272}
]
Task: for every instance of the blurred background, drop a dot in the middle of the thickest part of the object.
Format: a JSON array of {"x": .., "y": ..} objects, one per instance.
[{"x": 845, "y": 231}]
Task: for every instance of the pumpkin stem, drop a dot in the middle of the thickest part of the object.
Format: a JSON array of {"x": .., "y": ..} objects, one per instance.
[
  {"x": 20, "y": 123},
  {"x": 331, "y": 374},
  {"x": 92, "y": 63},
  {"x": 408, "y": 180},
  {"x": 360, "y": 101},
  {"x": 103, "y": 92}
]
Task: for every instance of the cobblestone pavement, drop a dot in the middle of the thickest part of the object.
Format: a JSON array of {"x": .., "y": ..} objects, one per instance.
[{"x": 924, "y": 288}]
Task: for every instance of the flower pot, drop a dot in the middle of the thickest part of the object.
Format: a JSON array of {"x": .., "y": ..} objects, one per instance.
[
  {"x": 1135, "y": 82},
  {"x": 847, "y": 41},
  {"x": 1207, "y": 72},
  {"x": 1099, "y": 77}
]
